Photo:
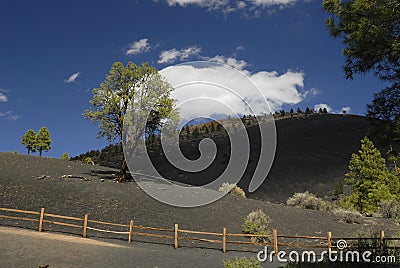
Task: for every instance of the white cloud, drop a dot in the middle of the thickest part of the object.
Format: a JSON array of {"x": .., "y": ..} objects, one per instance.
[
  {"x": 72, "y": 78},
  {"x": 170, "y": 56},
  {"x": 213, "y": 4},
  {"x": 9, "y": 115},
  {"x": 238, "y": 48},
  {"x": 322, "y": 106},
  {"x": 3, "y": 97},
  {"x": 268, "y": 3},
  {"x": 346, "y": 109},
  {"x": 246, "y": 6},
  {"x": 218, "y": 81},
  {"x": 138, "y": 47},
  {"x": 230, "y": 61}
]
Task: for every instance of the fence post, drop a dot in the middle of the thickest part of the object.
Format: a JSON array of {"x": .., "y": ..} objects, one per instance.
[
  {"x": 275, "y": 234},
  {"x": 176, "y": 236},
  {"x": 224, "y": 240},
  {"x": 130, "y": 231},
  {"x": 329, "y": 236},
  {"x": 382, "y": 236},
  {"x": 41, "y": 219},
  {"x": 85, "y": 225}
]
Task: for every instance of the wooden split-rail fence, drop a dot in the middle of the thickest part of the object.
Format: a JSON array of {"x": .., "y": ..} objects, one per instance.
[{"x": 175, "y": 234}]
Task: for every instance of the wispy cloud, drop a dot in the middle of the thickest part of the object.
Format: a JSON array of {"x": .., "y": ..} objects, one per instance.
[
  {"x": 172, "y": 55},
  {"x": 346, "y": 109},
  {"x": 230, "y": 61},
  {"x": 72, "y": 78},
  {"x": 322, "y": 106},
  {"x": 254, "y": 7},
  {"x": 138, "y": 47},
  {"x": 3, "y": 97},
  {"x": 9, "y": 115}
]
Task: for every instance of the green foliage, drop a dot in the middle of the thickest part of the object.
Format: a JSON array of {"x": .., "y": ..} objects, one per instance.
[
  {"x": 257, "y": 223},
  {"x": 43, "y": 140},
  {"x": 29, "y": 140},
  {"x": 370, "y": 179},
  {"x": 110, "y": 100},
  {"x": 370, "y": 32},
  {"x": 242, "y": 263},
  {"x": 65, "y": 156},
  {"x": 308, "y": 200},
  {"x": 88, "y": 160},
  {"x": 143, "y": 91}
]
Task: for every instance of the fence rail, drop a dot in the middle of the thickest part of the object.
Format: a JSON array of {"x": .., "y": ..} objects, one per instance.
[{"x": 176, "y": 234}]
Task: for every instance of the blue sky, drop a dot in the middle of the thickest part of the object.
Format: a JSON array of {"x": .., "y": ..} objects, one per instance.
[{"x": 52, "y": 53}]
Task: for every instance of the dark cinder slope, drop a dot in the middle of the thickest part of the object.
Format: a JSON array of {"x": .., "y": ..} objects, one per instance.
[{"x": 312, "y": 155}]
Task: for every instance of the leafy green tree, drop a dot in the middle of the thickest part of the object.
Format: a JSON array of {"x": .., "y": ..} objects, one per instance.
[
  {"x": 29, "y": 140},
  {"x": 196, "y": 132},
  {"x": 124, "y": 86},
  {"x": 43, "y": 140},
  {"x": 370, "y": 179},
  {"x": 65, "y": 156}
]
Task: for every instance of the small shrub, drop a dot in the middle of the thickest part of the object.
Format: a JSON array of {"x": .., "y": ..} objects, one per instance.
[
  {"x": 308, "y": 200},
  {"x": 349, "y": 216},
  {"x": 88, "y": 160},
  {"x": 257, "y": 223},
  {"x": 389, "y": 209},
  {"x": 65, "y": 156},
  {"x": 242, "y": 263},
  {"x": 232, "y": 189}
]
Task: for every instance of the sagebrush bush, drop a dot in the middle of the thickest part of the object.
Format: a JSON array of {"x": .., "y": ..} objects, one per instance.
[
  {"x": 232, "y": 189},
  {"x": 308, "y": 200},
  {"x": 242, "y": 263},
  {"x": 257, "y": 223},
  {"x": 349, "y": 216},
  {"x": 389, "y": 209}
]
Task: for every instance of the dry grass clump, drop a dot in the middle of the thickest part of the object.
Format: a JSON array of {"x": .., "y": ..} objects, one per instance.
[
  {"x": 232, "y": 189},
  {"x": 349, "y": 216},
  {"x": 308, "y": 200}
]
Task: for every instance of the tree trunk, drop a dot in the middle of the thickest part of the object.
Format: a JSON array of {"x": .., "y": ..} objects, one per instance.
[
  {"x": 29, "y": 150},
  {"x": 40, "y": 152},
  {"x": 122, "y": 173}
]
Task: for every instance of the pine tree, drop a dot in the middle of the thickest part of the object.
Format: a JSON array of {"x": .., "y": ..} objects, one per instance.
[
  {"x": 299, "y": 111},
  {"x": 212, "y": 127},
  {"x": 320, "y": 111},
  {"x": 29, "y": 140},
  {"x": 370, "y": 179},
  {"x": 43, "y": 140},
  {"x": 308, "y": 111},
  {"x": 282, "y": 112},
  {"x": 325, "y": 111},
  {"x": 196, "y": 133}
]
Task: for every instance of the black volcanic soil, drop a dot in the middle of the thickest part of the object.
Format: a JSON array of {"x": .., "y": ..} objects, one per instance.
[
  {"x": 312, "y": 154},
  {"x": 119, "y": 202}
]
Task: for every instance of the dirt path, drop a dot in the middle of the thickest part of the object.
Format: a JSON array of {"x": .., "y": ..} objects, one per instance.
[{"x": 26, "y": 248}]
